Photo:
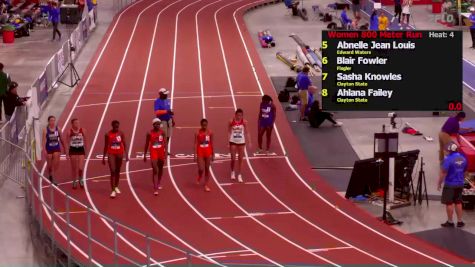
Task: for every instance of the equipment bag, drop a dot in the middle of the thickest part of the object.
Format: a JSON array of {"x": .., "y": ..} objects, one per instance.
[{"x": 284, "y": 96}]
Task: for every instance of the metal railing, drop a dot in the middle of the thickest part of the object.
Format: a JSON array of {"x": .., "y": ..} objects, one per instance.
[{"x": 70, "y": 224}]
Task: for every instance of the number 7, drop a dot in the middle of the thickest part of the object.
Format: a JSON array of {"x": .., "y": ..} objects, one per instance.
[{"x": 324, "y": 76}]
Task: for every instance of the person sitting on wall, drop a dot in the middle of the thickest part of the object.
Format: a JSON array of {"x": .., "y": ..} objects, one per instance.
[{"x": 317, "y": 116}]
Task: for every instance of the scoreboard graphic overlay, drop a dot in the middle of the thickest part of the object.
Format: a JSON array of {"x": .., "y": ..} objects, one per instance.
[{"x": 392, "y": 70}]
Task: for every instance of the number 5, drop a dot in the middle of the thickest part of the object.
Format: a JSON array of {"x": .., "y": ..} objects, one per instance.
[{"x": 324, "y": 45}]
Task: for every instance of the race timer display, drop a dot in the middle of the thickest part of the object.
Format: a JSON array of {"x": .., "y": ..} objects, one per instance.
[{"x": 392, "y": 70}]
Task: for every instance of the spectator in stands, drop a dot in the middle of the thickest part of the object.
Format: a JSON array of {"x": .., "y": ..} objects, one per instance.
[
  {"x": 450, "y": 127},
  {"x": 164, "y": 113},
  {"x": 303, "y": 82},
  {"x": 4, "y": 83},
  {"x": 344, "y": 18},
  {"x": 317, "y": 116},
  {"x": 452, "y": 175},
  {"x": 472, "y": 28},
  {"x": 383, "y": 21},
  {"x": 406, "y": 11},
  {"x": 12, "y": 100},
  {"x": 397, "y": 11},
  {"x": 374, "y": 21},
  {"x": 355, "y": 6},
  {"x": 54, "y": 18}
]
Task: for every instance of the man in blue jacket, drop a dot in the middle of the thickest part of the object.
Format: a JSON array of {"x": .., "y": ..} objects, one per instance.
[
  {"x": 54, "y": 18},
  {"x": 163, "y": 111},
  {"x": 452, "y": 175}
]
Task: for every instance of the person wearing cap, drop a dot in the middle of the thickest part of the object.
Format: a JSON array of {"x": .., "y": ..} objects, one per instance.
[
  {"x": 450, "y": 127},
  {"x": 472, "y": 27},
  {"x": 12, "y": 100},
  {"x": 156, "y": 142},
  {"x": 164, "y": 113},
  {"x": 452, "y": 175}
]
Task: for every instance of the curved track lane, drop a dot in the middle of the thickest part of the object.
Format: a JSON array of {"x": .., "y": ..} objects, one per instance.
[{"x": 284, "y": 213}]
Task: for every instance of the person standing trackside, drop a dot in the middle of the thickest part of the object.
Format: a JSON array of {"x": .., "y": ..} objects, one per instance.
[
  {"x": 115, "y": 148},
  {"x": 303, "y": 82},
  {"x": 54, "y": 18},
  {"x": 450, "y": 127},
  {"x": 397, "y": 11},
  {"x": 238, "y": 135},
  {"x": 355, "y": 6},
  {"x": 204, "y": 153},
  {"x": 472, "y": 28},
  {"x": 452, "y": 175},
  {"x": 265, "y": 122},
  {"x": 53, "y": 142},
  {"x": 156, "y": 142},
  {"x": 406, "y": 11},
  {"x": 76, "y": 139},
  {"x": 4, "y": 84},
  {"x": 164, "y": 113},
  {"x": 383, "y": 21}
]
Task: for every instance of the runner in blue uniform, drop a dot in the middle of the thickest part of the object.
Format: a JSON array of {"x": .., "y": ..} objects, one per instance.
[{"x": 53, "y": 144}]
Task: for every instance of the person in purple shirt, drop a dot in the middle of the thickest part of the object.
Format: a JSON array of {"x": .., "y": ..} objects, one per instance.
[
  {"x": 267, "y": 114},
  {"x": 162, "y": 109},
  {"x": 450, "y": 127},
  {"x": 344, "y": 18},
  {"x": 54, "y": 18}
]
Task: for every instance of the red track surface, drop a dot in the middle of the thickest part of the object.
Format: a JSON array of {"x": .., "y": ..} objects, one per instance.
[{"x": 283, "y": 214}]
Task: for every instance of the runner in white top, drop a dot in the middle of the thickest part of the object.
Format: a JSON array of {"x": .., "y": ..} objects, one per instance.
[{"x": 238, "y": 134}]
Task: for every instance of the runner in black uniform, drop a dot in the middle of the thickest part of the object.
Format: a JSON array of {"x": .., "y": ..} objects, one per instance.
[{"x": 76, "y": 140}]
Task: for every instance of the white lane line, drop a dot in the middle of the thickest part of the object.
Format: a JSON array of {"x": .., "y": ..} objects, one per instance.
[
  {"x": 231, "y": 90},
  {"x": 310, "y": 188},
  {"x": 246, "y": 183},
  {"x": 72, "y": 212},
  {"x": 101, "y": 121},
  {"x": 153, "y": 99},
  {"x": 40, "y": 181},
  {"x": 246, "y": 255},
  {"x": 251, "y": 215},
  {"x": 329, "y": 249},
  {"x": 172, "y": 178}
]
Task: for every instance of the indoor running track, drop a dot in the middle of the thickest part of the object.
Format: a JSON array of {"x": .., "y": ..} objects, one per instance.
[{"x": 284, "y": 214}]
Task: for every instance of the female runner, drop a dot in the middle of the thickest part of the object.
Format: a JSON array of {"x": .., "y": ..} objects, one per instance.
[
  {"x": 76, "y": 139},
  {"x": 238, "y": 134},
  {"x": 53, "y": 141},
  {"x": 114, "y": 148},
  {"x": 157, "y": 142},
  {"x": 204, "y": 152},
  {"x": 267, "y": 114}
]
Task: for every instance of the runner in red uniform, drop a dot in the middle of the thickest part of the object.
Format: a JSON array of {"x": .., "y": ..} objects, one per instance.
[
  {"x": 204, "y": 153},
  {"x": 156, "y": 141},
  {"x": 115, "y": 147}
]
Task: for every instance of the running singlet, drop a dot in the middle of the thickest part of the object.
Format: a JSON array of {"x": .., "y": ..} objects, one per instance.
[
  {"x": 116, "y": 147},
  {"x": 237, "y": 132},
  {"x": 204, "y": 145},
  {"x": 52, "y": 140},
  {"x": 76, "y": 144},
  {"x": 267, "y": 118},
  {"x": 157, "y": 145}
]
